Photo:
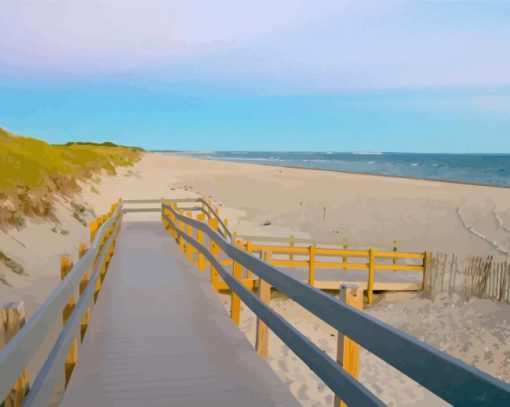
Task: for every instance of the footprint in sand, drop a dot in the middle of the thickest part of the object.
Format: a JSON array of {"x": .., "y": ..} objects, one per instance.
[
  {"x": 283, "y": 366},
  {"x": 302, "y": 393}
]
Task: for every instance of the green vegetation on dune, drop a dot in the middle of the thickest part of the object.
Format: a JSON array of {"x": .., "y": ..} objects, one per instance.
[
  {"x": 105, "y": 144},
  {"x": 32, "y": 171}
]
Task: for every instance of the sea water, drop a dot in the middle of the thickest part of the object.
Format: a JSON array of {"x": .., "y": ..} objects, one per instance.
[{"x": 488, "y": 169}]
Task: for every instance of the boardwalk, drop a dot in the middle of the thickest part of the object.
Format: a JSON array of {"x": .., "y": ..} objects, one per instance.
[{"x": 159, "y": 336}]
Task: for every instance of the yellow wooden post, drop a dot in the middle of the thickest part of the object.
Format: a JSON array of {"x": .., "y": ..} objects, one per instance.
[
  {"x": 426, "y": 270},
  {"x": 264, "y": 294},
  {"x": 200, "y": 239},
  {"x": 109, "y": 252},
  {"x": 395, "y": 249},
  {"x": 169, "y": 228},
  {"x": 181, "y": 228},
  {"x": 311, "y": 265},
  {"x": 65, "y": 267},
  {"x": 291, "y": 245},
  {"x": 176, "y": 224},
  {"x": 215, "y": 250},
  {"x": 209, "y": 209},
  {"x": 104, "y": 266},
  {"x": 12, "y": 319},
  {"x": 99, "y": 281},
  {"x": 82, "y": 249},
  {"x": 347, "y": 350},
  {"x": 189, "y": 232},
  {"x": 163, "y": 213},
  {"x": 172, "y": 217},
  {"x": 371, "y": 270},
  {"x": 248, "y": 250},
  {"x": 83, "y": 285},
  {"x": 93, "y": 226},
  {"x": 235, "y": 301}
]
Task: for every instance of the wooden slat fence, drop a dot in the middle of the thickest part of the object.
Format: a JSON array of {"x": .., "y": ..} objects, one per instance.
[{"x": 473, "y": 276}]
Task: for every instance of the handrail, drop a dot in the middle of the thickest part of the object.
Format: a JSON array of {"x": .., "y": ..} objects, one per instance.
[
  {"x": 220, "y": 221},
  {"x": 307, "y": 241},
  {"x": 42, "y": 389},
  {"x": 142, "y": 210},
  {"x": 18, "y": 352},
  {"x": 158, "y": 200},
  {"x": 444, "y": 375},
  {"x": 225, "y": 231},
  {"x": 315, "y": 258},
  {"x": 353, "y": 392}
]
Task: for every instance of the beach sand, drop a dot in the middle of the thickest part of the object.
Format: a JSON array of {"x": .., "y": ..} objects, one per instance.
[{"x": 323, "y": 206}]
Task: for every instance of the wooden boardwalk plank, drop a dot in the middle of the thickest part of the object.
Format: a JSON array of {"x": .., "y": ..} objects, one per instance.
[{"x": 159, "y": 336}]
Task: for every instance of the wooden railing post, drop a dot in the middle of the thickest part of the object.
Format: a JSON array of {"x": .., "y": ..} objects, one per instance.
[
  {"x": 104, "y": 266},
  {"x": 426, "y": 271},
  {"x": 65, "y": 267},
  {"x": 264, "y": 294},
  {"x": 109, "y": 253},
  {"x": 181, "y": 228},
  {"x": 311, "y": 265},
  {"x": 235, "y": 301},
  {"x": 83, "y": 285},
  {"x": 215, "y": 250},
  {"x": 248, "y": 250},
  {"x": 189, "y": 232},
  {"x": 200, "y": 239},
  {"x": 12, "y": 319},
  {"x": 347, "y": 350},
  {"x": 371, "y": 272},
  {"x": 99, "y": 281},
  {"x": 173, "y": 229},
  {"x": 209, "y": 208},
  {"x": 93, "y": 226}
]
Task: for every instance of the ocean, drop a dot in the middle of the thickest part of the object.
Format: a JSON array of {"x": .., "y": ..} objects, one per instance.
[{"x": 486, "y": 169}]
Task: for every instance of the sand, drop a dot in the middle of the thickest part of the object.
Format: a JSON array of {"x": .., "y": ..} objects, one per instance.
[
  {"x": 476, "y": 331},
  {"x": 326, "y": 206}
]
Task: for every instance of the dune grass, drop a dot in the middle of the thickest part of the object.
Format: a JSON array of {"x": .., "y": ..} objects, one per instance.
[{"x": 32, "y": 171}]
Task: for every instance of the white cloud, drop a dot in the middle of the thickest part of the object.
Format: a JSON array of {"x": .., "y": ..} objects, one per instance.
[{"x": 283, "y": 47}]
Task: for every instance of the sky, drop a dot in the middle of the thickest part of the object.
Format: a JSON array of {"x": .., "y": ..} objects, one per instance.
[{"x": 403, "y": 76}]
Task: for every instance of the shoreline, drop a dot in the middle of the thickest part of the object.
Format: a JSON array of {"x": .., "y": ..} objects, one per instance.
[{"x": 374, "y": 174}]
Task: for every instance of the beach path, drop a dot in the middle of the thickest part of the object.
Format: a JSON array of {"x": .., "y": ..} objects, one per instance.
[{"x": 159, "y": 336}]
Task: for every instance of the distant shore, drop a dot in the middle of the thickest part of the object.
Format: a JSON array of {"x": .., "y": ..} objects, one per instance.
[{"x": 362, "y": 172}]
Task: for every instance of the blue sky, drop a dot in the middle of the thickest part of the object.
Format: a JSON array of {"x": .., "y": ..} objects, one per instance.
[{"x": 336, "y": 76}]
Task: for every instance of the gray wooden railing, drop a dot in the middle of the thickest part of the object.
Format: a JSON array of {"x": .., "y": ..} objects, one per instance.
[
  {"x": 205, "y": 207},
  {"x": 447, "y": 377},
  {"x": 23, "y": 347}
]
